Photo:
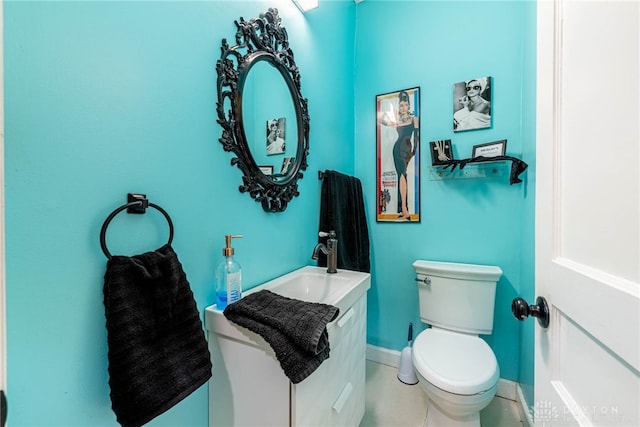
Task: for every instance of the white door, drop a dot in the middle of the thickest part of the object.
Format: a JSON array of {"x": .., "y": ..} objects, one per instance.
[{"x": 587, "y": 361}]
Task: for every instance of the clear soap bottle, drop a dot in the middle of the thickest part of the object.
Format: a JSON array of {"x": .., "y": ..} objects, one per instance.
[{"x": 228, "y": 276}]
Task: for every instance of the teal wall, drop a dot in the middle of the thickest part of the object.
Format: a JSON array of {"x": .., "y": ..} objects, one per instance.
[
  {"x": 434, "y": 44},
  {"x": 106, "y": 98}
]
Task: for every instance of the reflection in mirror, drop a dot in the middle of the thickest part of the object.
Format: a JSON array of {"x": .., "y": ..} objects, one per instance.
[
  {"x": 269, "y": 119},
  {"x": 264, "y": 118}
]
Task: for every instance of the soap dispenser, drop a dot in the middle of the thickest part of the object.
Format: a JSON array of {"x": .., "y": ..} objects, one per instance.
[{"x": 228, "y": 277}]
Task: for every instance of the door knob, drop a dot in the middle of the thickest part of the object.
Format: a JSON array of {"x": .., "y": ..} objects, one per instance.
[{"x": 521, "y": 310}]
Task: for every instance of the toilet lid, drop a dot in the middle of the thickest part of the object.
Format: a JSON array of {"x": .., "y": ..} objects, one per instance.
[{"x": 454, "y": 362}]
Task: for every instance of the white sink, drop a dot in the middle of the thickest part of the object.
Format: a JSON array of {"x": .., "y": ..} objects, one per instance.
[
  {"x": 311, "y": 284},
  {"x": 312, "y": 287},
  {"x": 314, "y": 284}
]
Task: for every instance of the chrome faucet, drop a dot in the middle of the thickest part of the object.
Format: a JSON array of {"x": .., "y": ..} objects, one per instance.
[{"x": 331, "y": 251}]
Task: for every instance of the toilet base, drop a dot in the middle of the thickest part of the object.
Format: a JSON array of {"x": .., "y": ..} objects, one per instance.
[{"x": 436, "y": 417}]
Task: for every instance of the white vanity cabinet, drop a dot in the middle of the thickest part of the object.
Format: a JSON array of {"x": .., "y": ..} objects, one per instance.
[
  {"x": 334, "y": 394},
  {"x": 249, "y": 388}
]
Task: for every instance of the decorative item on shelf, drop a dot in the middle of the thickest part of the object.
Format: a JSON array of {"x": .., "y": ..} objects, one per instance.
[
  {"x": 490, "y": 149},
  {"x": 441, "y": 152}
]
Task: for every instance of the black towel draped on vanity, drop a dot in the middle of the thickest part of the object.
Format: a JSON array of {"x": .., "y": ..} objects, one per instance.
[
  {"x": 295, "y": 330},
  {"x": 342, "y": 210},
  {"x": 157, "y": 352}
]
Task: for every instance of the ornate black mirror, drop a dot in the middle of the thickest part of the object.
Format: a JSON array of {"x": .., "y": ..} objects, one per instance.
[{"x": 264, "y": 118}]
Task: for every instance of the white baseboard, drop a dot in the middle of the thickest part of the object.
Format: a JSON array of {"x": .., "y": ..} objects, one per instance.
[
  {"x": 383, "y": 355},
  {"x": 523, "y": 408},
  {"x": 507, "y": 389}
]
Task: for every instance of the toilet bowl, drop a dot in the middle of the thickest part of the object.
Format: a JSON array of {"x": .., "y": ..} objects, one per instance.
[
  {"x": 456, "y": 368},
  {"x": 458, "y": 372}
]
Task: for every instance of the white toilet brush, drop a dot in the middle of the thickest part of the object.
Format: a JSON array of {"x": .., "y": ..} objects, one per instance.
[{"x": 406, "y": 373}]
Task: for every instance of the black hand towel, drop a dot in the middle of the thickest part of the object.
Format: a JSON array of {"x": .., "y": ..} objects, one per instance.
[
  {"x": 157, "y": 353},
  {"x": 342, "y": 210},
  {"x": 295, "y": 330}
]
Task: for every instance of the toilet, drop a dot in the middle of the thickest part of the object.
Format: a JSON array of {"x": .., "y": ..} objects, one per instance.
[{"x": 455, "y": 367}]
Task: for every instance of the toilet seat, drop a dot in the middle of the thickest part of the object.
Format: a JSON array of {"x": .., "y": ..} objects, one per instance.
[{"x": 455, "y": 362}]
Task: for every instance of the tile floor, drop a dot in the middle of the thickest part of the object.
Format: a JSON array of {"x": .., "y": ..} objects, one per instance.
[{"x": 390, "y": 403}]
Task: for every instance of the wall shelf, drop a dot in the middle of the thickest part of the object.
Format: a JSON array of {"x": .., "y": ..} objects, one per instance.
[
  {"x": 472, "y": 171},
  {"x": 480, "y": 167}
]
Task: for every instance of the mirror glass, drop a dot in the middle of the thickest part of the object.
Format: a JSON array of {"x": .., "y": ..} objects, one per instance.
[
  {"x": 270, "y": 121},
  {"x": 264, "y": 117}
]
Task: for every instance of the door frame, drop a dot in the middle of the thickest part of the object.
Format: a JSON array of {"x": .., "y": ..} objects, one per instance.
[{"x": 3, "y": 306}]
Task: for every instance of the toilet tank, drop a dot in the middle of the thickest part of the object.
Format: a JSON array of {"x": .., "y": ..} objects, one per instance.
[{"x": 457, "y": 297}]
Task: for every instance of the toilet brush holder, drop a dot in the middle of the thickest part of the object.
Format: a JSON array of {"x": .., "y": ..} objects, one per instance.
[{"x": 406, "y": 372}]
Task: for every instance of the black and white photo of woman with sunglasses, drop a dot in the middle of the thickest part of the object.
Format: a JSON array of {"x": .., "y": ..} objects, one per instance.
[{"x": 472, "y": 104}]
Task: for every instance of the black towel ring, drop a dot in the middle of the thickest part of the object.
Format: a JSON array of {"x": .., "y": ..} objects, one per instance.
[{"x": 139, "y": 205}]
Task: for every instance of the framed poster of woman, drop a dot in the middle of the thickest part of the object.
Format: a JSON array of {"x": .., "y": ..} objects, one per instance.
[{"x": 398, "y": 156}]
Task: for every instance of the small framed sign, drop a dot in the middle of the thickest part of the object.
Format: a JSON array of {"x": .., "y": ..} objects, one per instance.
[
  {"x": 490, "y": 149},
  {"x": 267, "y": 170}
]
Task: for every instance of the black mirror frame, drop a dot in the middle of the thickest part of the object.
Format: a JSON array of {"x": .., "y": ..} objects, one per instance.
[{"x": 263, "y": 39}]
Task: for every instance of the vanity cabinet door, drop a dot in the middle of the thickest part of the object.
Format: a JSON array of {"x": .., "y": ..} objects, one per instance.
[
  {"x": 334, "y": 394},
  {"x": 248, "y": 387}
]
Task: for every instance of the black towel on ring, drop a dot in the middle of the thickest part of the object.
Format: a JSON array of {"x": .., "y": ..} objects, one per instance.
[{"x": 157, "y": 352}]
